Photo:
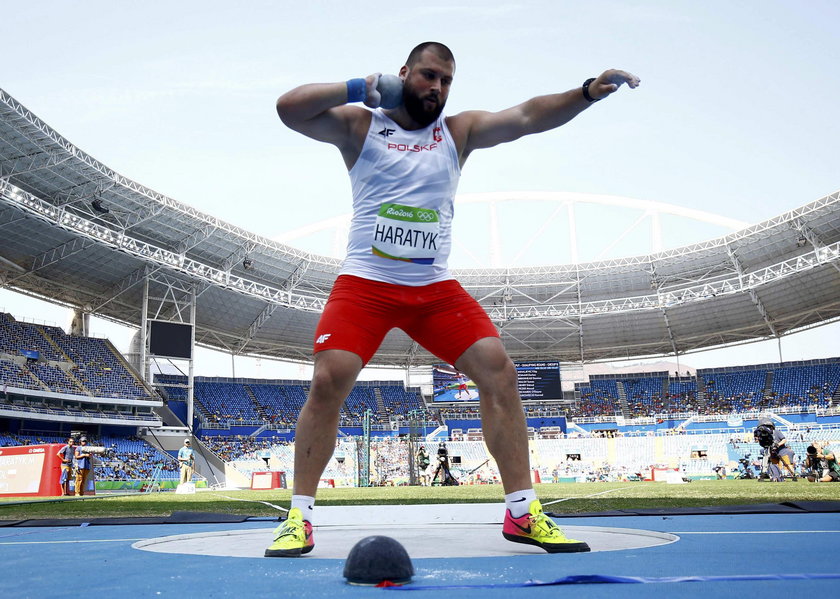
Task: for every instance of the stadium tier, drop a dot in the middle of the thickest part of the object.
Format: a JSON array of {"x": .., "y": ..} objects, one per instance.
[
  {"x": 794, "y": 385},
  {"x": 43, "y": 358},
  {"x": 245, "y": 421},
  {"x": 253, "y": 402}
]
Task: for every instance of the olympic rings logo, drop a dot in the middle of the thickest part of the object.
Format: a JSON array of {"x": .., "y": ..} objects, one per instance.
[{"x": 426, "y": 215}]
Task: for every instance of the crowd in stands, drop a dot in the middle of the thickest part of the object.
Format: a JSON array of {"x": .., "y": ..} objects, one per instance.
[
  {"x": 277, "y": 404},
  {"x": 239, "y": 447},
  {"x": 45, "y": 358},
  {"x": 228, "y": 402},
  {"x": 598, "y": 399},
  {"x": 807, "y": 386},
  {"x": 803, "y": 386},
  {"x": 389, "y": 461}
]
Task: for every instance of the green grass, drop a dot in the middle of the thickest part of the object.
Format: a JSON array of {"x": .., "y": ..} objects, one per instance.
[{"x": 578, "y": 498}]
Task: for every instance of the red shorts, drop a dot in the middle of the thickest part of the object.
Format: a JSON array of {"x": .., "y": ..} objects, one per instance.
[{"x": 441, "y": 317}]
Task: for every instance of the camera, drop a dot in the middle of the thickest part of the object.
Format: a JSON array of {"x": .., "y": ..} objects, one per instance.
[
  {"x": 763, "y": 435},
  {"x": 746, "y": 470},
  {"x": 443, "y": 467},
  {"x": 813, "y": 462}
]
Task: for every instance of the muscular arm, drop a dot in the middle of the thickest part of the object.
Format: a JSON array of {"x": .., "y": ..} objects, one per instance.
[
  {"x": 476, "y": 129},
  {"x": 320, "y": 111}
]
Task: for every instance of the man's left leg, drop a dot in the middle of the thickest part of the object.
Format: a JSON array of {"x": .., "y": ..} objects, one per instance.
[
  {"x": 506, "y": 434},
  {"x": 502, "y": 416},
  {"x": 66, "y": 473},
  {"x": 81, "y": 481},
  {"x": 785, "y": 459}
]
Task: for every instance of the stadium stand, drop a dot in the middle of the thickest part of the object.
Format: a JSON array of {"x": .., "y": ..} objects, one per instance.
[
  {"x": 253, "y": 402},
  {"x": 127, "y": 458},
  {"x": 617, "y": 418},
  {"x": 792, "y": 385},
  {"x": 45, "y": 358},
  {"x": 599, "y": 398}
]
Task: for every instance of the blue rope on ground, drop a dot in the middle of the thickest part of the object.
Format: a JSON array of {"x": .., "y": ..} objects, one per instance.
[{"x": 603, "y": 579}]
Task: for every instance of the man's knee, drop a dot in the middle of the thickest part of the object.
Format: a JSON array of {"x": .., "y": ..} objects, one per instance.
[
  {"x": 327, "y": 387},
  {"x": 487, "y": 361},
  {"x": 501, "y": 378},
  {"x": 334, "y": 376}
]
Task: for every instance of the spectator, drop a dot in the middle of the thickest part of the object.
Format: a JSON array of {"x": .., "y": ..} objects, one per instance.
[
  {"x": 83, "y": 466},
  {"x": 186, "y": 457},
  {"x": 66, "y": 455}
]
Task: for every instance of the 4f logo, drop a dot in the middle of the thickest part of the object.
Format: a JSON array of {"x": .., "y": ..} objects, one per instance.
[
  {"x": 436, "y": 133},
  {"x": 323, "y": 338},
  {"x": 387, "y": 132}
]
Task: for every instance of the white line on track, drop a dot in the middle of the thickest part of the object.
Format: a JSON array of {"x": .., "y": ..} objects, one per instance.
[
  {"x": 583, "y": 496},
  {"x": 276, "y": 507},
  {"x": 752, "y": 532},
  {"x": 63, "y": 542}
]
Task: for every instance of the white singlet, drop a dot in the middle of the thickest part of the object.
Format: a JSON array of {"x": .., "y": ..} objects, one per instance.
[{"x": 404, "y": 185}]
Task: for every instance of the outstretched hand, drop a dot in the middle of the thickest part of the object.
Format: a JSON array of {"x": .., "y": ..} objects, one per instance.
[{"x": 609, "y": 81}]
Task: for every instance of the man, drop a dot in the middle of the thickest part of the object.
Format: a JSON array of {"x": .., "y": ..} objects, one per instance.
[
  {"x": 446, "y": 477},
  {"x": 423, "y": 463},
  {"x": 781, "y": 455},
  {"x": 462, "y": 386},
  {"x": 66, "y": 455},
  {"x": 83, "y": 466},
  {"x": 186, "y": 457},
  {"x": 831, "y": 472},
  {"x": 404, "y": 164}
]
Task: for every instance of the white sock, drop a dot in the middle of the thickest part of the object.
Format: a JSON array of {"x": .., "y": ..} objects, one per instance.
[
  {"x": 519, "y": 502},
  {"x": 305, "y": 504}
]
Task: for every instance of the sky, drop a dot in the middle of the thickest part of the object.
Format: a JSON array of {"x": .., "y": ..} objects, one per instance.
[{"x": 735, "y": 115}]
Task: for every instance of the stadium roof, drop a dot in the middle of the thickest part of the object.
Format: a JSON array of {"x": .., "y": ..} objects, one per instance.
[{"x": 77, "y": 233}]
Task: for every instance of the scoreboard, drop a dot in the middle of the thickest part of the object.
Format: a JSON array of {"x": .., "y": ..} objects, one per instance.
[
  {"x": 539, "y": 380},
  {"x": 536, "y": 380}
]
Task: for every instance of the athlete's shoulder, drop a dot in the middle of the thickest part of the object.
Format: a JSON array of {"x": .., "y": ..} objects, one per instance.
[
  {"x": 460, "y": 125},
  {"x": 465, "y": 119}
]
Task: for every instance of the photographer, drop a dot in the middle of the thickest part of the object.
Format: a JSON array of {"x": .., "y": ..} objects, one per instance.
[
  {"x": 423, "y": 463},
  {"x": 775, "y": 446},
  {"x": 821, "y": 454},
  {"x": 745, "y": 467},
  {"x": 443, "y": 467}
]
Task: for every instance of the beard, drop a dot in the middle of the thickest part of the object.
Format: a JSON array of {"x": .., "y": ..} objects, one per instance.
[{"x": 417, "y": 110}]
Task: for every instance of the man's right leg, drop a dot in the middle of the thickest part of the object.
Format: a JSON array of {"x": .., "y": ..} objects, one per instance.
[{"x": 317, "y": 428}]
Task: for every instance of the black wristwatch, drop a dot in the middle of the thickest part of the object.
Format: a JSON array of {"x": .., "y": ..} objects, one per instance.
[{"x": 585, "y": 89}]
